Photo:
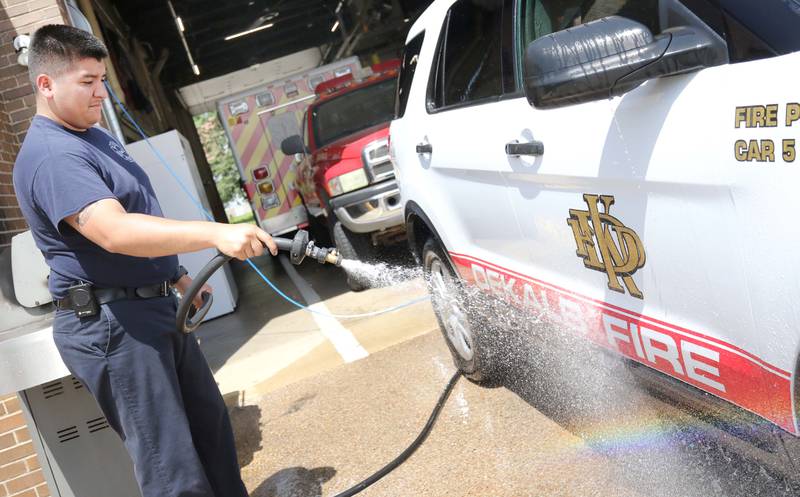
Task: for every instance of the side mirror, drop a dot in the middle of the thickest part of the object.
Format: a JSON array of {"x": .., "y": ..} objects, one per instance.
[
  {"x": 608, "y": 57},
  {"x": 293, "y": 145}
]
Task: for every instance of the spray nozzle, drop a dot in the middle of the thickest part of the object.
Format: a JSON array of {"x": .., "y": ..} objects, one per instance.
[
  {"x": 301, "y": 247},
  {"x": 323, "y": 255}
]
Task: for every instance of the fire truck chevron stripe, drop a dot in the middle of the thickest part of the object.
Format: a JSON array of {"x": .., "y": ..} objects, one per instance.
[
  {"x": 284, "y": 169},
  {"x": 258, "y": 157},
  {"x": 248, "y": 126},
  {"x": 236, "y": 131},
  {"x": 255, "y": 140},
  {"x": 252, "y": 150}
]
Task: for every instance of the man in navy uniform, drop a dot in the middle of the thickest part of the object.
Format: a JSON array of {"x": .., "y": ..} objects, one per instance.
[{"x": 96, "y": 219}]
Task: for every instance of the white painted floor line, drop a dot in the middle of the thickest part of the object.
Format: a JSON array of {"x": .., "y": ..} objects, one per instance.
[{"x": 342, "y": 339}]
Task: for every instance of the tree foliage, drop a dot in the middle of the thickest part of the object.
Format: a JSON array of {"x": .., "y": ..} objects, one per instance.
[{"x": 219, "y": 156}]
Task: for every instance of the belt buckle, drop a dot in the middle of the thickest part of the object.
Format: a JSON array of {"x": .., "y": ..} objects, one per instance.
[{"x": 165, "y": 288}]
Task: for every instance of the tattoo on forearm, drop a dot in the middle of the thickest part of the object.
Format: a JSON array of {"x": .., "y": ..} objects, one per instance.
[{"x": 85, "y": 214}]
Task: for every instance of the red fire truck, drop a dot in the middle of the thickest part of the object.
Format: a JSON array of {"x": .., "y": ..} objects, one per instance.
[{"x": 344, "y": 174}]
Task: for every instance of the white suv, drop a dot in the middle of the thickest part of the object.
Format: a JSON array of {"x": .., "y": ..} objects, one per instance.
[{"x": 626, "y": 168}]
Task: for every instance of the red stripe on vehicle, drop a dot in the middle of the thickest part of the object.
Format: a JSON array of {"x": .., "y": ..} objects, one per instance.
[
  {"x": 710, "y": 364},
  {"x": 631, "y": 313}
]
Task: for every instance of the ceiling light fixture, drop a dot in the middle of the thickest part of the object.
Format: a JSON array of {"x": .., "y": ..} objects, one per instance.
[
  {"x": 243, "y": 33},
  {"x": 335, "y": 25},
  {"x": 179, "y": 25}
]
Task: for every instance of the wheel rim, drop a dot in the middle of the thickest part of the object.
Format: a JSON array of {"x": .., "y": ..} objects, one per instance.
[{"x": 452, "y": 314}]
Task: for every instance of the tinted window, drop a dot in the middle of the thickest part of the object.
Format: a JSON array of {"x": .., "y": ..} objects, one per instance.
[
  {"x": 353, "y": 111},
  {"x": 743, "y": 44},
  {"x": 407, "y": 70},
  {"x": 468, "y": 64},
  {"x": 542, "y": 17},
  {"x": 761, "y": 29}
]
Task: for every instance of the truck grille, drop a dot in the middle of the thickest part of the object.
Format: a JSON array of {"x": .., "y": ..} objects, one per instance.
[{"x": 381, "y": 171}]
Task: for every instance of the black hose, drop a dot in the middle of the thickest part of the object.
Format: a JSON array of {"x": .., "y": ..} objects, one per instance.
[
  {"x": 188, "y": 323},
  {"x": 410, "y": 449},
  {"x": 183, "y": 321}
]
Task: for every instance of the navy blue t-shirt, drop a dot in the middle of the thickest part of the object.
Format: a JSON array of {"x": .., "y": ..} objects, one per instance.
[{"x": 57, "y": 173}]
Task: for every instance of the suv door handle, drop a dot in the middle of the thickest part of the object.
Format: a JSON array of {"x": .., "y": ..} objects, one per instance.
[
  {"x": 515, "y": 149},
  {"x": 424, "y": 148}
]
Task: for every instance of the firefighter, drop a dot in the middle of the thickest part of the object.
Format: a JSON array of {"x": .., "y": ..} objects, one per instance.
[{"x": 96, "y": 219}]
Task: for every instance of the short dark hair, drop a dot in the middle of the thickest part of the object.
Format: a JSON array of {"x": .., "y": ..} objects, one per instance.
[{"x": 55, "y": 46}]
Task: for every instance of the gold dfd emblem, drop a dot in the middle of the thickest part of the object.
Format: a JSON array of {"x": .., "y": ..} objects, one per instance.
[{"x": 607, "y": 245}]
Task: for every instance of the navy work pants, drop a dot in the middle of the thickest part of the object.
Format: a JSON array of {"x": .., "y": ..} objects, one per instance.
[{"x": 157, "y": 392}]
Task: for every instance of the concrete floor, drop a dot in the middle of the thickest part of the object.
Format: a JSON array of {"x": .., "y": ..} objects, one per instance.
[
  {"x": 323, "y": 434},
  {"x": 268, "y": 342},
  {"x": 568, "y": 421}
]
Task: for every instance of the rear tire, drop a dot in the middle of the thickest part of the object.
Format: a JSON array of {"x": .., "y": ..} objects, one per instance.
[
  {"x": 353, "y": 246},
  {"x": 468, "y": 337}
]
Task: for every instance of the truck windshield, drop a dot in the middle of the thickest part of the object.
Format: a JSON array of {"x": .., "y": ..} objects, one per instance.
[{"x": 353, "y": 111}]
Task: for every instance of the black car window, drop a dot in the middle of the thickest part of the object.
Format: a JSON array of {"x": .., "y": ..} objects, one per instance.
[
  {"x": 765, "y": 28},
  {"x": 542, "y": 17},
  {"x": 468, "y": 65},
  {"x": 353, "y": 111},
  {"x": 407, "y": 69},
  {"x": 743, "y": 44}
]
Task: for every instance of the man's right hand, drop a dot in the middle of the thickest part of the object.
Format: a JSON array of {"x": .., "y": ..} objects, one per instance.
[{"x": 243, "y": 241}]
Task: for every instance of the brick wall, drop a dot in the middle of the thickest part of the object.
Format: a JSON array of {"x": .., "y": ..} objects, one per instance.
[
  {"x": 20, "y": 473},
  {"x": 16, "y": 98}
]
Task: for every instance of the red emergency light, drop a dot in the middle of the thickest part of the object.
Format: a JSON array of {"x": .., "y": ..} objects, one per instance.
[
  {"x": 334, "y": 84},
  {"x": 260, "y": 173}
]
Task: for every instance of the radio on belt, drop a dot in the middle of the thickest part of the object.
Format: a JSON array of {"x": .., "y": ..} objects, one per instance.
[{"x": 83, "y": 302}]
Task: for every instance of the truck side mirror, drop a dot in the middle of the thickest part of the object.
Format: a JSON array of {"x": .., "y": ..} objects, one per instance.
[
  {"x": 608, "y": 57},
  {"x": 293, "y": 145}
]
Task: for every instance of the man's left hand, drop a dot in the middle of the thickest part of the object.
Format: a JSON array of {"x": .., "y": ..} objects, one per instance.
[{"x": 183, "y": 284}]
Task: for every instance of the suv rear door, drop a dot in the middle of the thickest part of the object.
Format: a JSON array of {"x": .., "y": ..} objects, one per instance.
[{"x": 468, "y": 78}]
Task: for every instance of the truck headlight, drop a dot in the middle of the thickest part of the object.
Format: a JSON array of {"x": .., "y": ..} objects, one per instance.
[{"x": 347, "y": 182}]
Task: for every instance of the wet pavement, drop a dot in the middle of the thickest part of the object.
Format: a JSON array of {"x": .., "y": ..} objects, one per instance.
[
  {"x": 324, "y": 434},
  {"x": 606, "y": 437},
  {"x": 567, "y": 420}
]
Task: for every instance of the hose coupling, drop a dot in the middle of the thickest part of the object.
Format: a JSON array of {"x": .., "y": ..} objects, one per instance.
[{"x": 323, "y": 255}]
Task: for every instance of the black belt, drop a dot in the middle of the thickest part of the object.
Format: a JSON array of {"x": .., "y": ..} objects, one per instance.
[{"x": 106, "y": 295}]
